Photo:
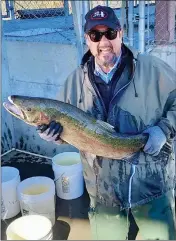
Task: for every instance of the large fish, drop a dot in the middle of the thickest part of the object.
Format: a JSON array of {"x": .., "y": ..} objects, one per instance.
[{"x": 79, "y": 128}]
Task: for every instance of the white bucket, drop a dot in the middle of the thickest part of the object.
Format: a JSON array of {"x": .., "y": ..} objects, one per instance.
[
  {"x": 10, "y": 179},
  {"x": 37, "y": 196},
  {"x": 68, "y": 174},
  {"x": 31, "y": 227}
]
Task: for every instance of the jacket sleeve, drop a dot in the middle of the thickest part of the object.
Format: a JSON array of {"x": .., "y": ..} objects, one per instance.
[
  {"x": 168, "y": 121},
  {"x": 166, "y": 77},
  {"x": 70, "y": 92}
]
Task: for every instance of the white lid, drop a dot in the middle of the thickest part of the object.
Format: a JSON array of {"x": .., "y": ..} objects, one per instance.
[
  {"x": 8, "y": 174},
  {"x": 30, "y": 227}
]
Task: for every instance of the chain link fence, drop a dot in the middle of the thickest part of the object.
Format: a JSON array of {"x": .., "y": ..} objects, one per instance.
[
  {"x": 38, "y": 21},
  {"x": 35, "y": 9},
  {"x": 52, "y": 17},
  {"x": 161, "y": 27},
  {"x": 161, "y": 32},
  {"x": 160, "y": 18},
  {"x": 109, "y": 3},
  {"x": 40, "y": 9}
]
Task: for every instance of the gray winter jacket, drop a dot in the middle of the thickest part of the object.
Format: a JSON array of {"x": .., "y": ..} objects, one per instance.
[{"x": 145, "y": 98}]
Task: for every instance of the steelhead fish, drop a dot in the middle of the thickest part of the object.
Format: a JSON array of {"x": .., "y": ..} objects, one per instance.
[{"x": 79, "y": 128}]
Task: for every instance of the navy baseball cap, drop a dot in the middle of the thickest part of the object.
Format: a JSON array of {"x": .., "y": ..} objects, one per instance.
[{"x": 101, "y": 15}]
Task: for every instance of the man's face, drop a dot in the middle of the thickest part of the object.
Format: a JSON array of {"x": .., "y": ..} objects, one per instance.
[{"x": 105, "y": 50}]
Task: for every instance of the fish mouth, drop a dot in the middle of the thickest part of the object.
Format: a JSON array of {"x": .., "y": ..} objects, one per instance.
[{"x": 13, "y": 109}]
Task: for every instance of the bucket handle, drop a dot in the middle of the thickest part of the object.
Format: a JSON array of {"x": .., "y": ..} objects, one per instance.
[
  {"x": 6, "y": 212},
  {"x": 22, "y": 211},
  {"x": 55, "y": 180}
]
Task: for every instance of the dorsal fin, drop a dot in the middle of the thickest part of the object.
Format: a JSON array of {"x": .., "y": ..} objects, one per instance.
[{"x": 106, "y": 126}]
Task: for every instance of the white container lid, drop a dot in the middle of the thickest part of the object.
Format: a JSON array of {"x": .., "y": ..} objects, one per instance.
[
  {"x": 8, "y": 174},
  {"x": 69, "y": 161},
  {"x": 36, "y": 181},
  {"x": 30, "y": 227}
]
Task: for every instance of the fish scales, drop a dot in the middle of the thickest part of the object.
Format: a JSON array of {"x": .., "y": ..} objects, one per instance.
[{"x": 79, "y": 128}]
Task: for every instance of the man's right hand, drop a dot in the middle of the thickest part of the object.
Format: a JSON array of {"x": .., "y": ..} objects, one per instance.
[{"x": 51, "y": 132}]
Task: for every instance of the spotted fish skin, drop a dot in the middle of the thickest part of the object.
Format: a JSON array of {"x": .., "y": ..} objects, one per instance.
[{"x": 80, "y": 129}]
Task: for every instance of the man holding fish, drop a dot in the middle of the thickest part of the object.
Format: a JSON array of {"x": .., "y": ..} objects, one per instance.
[{"x": 136, "y": 94}]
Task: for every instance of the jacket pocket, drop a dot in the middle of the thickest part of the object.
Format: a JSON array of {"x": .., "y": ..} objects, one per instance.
[{"x": 164, "y": 155}]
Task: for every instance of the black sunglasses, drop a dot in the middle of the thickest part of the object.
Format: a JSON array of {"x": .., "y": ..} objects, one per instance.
[{"x": 96, "y": 36}]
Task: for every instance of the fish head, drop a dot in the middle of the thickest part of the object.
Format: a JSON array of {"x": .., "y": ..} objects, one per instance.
[{"x": 31, "y": 110}]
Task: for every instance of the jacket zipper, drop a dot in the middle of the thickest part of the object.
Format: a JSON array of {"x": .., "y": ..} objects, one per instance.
[
  {"x": 125, "y": 85},
  {"x": 120, "y": 90},
  {"x": 97, "y": 92}
]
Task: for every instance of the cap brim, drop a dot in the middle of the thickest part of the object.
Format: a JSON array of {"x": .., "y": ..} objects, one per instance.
[{"x": 93, "y": 24}]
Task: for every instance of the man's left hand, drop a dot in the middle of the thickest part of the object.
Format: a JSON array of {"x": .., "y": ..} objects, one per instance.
[{"x": 156, "y": 140}]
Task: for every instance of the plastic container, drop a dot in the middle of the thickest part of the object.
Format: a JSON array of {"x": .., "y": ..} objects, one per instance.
[
  {"x": 10, "y": 178},
  {"x": 68, "y": 174},
  {"x": 37, "y": 196},
  {"x": 31, "y": 227}
]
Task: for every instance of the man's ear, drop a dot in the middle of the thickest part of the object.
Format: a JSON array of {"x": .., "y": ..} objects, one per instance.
[
  {"x": 121, "y": 33},
  {"x": 86, "y": 36}
]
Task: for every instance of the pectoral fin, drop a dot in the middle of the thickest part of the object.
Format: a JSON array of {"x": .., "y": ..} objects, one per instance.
[{"x": 106, "y": 126}]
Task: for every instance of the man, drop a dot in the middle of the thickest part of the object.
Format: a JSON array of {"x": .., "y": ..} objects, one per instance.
[{"x": 136, "y": 94}]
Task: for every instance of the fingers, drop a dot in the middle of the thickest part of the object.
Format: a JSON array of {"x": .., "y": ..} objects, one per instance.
[
  {"x": 53, "y": 126},
  {"x": 58, "y": 134},
  {"x": 42, "y": 128},
  {"x": 58, "y": 129},
  {"x": 50, "y": 132},
  {"x": 150, "y": 149},
  {"x": 156, "y": 141}
]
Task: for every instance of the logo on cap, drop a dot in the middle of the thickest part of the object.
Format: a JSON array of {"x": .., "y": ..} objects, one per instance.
[{"x": 99, "y": 15}]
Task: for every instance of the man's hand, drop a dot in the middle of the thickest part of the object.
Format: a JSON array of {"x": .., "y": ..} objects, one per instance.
[
  {"x": 156, "y": 140},
  {"x": 51, "y": 132}
]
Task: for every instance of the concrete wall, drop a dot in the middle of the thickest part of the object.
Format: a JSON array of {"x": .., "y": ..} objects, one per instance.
[
  {"x": 36, "y": 69},
  {"x": 7, "y": 133}
]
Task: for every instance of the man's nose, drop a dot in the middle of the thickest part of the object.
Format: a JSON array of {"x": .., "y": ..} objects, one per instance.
[{"x": 104, "y": 39}]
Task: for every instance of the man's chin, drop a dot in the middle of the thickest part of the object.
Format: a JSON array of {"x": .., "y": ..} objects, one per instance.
[
  {"x": 106, "y": 62},
  {"x": 106, "y": 59}
]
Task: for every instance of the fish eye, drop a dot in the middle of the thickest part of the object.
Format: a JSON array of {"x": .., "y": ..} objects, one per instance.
[{"x": 28, "y": 109}]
